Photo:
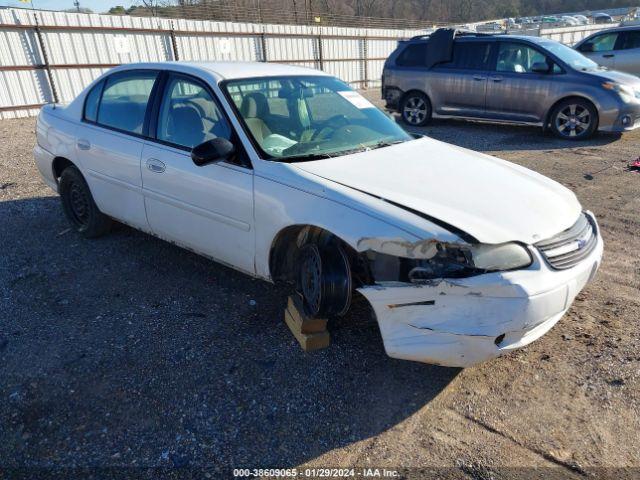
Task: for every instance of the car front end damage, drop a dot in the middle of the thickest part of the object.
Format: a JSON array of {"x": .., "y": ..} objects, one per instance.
[{"x": 468, "y": 315}]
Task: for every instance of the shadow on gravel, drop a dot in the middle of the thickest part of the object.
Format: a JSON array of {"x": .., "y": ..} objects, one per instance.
[
  {"x": 495, "y": 137},
  {"x": 127, "y": 350}
]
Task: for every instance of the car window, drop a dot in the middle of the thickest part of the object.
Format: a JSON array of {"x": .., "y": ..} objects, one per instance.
[
  {"x": 414, "y": 55},
  {"x": 189, "y": 115},
  {"x": 124, "y": 100},
  {"x": 631, "y": 39},
  {"x": 518, "y": 58},
  {"x": 91, "y": 103},
  {"x": 604, "y": 43},
  {"x": 469, "y": 56}
]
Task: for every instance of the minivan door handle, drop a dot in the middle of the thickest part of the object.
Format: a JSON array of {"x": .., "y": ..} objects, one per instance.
[
  {"x": 496, "y": 79},
  {"x": 609, "y": 55},
  {"x": 83, "y": 144},
  {"x": 155, "y": 165},
  {"x": 479, "y": 78}
]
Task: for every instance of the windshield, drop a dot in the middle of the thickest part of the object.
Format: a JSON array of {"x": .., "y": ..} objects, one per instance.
[
  {"x": 299, "y": 118},
  {"x": 571, "y": 57}
]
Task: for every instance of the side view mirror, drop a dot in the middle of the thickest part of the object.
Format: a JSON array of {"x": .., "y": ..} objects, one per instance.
[
  {"x": 214, "y": 150},
  {"x": 586, "y": 47},
  {"x": 540, "y": 67}
]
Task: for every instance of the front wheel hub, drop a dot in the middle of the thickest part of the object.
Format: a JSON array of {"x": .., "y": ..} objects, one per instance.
[{"x": 324, "y": 279}]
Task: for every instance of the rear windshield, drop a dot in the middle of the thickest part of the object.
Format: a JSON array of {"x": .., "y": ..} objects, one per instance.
[{"x": 414, "y": 55}]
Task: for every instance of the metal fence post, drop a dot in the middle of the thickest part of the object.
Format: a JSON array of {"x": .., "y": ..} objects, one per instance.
[
  {"x": 45, "y": 59},
  {"x": 365, "y": 66},
  {"x": 320, "y": 56},
  {"x": 263, "y": 46},
  {"x": 174, "y": 43}
]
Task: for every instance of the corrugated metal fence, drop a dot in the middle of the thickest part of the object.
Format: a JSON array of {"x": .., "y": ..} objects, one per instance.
[{"x": 50, "y": 56}]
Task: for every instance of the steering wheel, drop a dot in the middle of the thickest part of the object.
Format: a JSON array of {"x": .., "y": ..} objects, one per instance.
[{"x": 329, "y": 126}]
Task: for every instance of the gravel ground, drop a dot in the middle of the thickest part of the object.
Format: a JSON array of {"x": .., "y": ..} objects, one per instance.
[{"x": 129, "y": 352}]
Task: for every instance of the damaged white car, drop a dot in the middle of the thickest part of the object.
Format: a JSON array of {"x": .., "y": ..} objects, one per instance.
[{"x": 289, "y": 175}]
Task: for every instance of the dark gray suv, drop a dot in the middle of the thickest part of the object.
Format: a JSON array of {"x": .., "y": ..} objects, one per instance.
[{"x": 509, "y": 79}]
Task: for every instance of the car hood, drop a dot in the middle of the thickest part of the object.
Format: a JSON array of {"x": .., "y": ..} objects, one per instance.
[{"x": 493, "y": 200}]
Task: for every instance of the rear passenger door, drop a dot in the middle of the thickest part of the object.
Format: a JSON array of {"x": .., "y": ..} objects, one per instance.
[
  {"x": 514, "y": 91},
  {"x": 109, "y": 143},
  {"x": 208, "y": 208},
  {"x": 458, "y": 88},
  {"x": 628, "y": 52}
]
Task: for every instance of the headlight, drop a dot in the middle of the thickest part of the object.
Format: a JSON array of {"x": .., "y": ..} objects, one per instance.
[
  {"x": 451, "y": 261},
  {"x": 627, "y": 94}
]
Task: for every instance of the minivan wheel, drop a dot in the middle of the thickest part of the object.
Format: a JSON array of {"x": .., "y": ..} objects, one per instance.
[
  {"x": 574, "y": 119},
  {"x": 324, "y": 279},
  {"x": 79, "y": 207},
  {"x": 416, "y": 109}
]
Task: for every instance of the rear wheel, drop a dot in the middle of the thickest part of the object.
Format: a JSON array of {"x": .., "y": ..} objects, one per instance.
[
  {"x": 416, "y": 109},
  {"x": 79, "y": 207},
  {"x": 574, "y": 119},
  {"x": 324, "y": 279}
]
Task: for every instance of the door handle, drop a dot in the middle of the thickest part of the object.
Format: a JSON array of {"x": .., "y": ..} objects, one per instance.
[
  {"x": 609, "y": 55},
  {"x": 155, "y": 165},
  {"x": 83, "y": 144},
  {"x": 478, "y": 78},
  {"x": 496, "y": 79}
]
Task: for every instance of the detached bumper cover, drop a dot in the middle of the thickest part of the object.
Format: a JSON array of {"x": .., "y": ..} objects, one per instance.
[{"x": 462, "y": 322}]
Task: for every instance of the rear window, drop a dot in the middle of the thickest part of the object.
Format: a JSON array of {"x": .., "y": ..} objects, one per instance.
[
  {"x": 414, "y": 55},
  {"x": 124, "y": 100},
  {"x": 469, "y": 56}
]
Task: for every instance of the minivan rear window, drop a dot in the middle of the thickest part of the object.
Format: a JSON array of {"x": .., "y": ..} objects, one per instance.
[
  {"x": 469, "y": 56},
  {"x": 414, "y": 55}
]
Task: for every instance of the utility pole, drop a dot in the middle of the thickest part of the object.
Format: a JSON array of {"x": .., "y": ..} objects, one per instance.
[{"x": 76, "y": 4}]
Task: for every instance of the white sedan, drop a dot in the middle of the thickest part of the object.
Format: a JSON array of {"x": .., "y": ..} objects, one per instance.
[{"x": 289, "y": 175}]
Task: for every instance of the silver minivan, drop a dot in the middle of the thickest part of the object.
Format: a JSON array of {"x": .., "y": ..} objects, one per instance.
[
  {"x": 509, "y": 79},
  {"x": 615, "y": 48}
]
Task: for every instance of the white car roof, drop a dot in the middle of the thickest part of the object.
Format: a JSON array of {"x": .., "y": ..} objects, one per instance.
[{"x": 229, "y": 70}]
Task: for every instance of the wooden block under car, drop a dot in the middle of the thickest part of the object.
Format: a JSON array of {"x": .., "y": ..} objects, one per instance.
[
  {"x": 296, "y": 321},
  {"x": 304, "y": 324}
]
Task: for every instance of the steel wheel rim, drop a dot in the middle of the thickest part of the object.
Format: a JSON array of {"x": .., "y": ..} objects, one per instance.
[
  {"x": 415, "y": 110},
  {"x": 573, "y": 121},
  {"x": 79, "y": 204},
  {"x": 311, "y": 278}
]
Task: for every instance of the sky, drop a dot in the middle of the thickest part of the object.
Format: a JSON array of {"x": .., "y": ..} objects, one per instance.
[{"x": 95, "y": 5}]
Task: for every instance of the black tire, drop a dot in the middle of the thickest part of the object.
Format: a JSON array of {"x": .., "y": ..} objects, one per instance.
[
  {"x": 574, "y": 119},
  {"x": 324, "y": 279},
  {"x": 79, "y": 207},
  {"x": 415, "y": 109}
]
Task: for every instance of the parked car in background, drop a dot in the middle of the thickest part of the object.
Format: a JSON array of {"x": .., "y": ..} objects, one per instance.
[
  {"x": 288, "y": 174},
  {"x": 602, "y": 18},
  {"x": 508, "y": 78},
  {"x": 570, "y": 21},
  {"x": 491, "y": 27},
  {"x": 582, "y": 19},
  {"x": 616, "y": 48},
  {"x": 633, "y": 18}
]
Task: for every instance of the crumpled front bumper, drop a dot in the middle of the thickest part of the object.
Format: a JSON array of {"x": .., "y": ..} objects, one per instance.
[{"x": 462, "y": 322}]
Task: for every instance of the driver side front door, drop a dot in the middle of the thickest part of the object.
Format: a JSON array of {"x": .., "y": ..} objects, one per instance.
[{"x": 208, "y": 209}]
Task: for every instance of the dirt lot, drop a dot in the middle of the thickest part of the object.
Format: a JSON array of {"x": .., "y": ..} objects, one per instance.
[{"x": 129, "y": 352}]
